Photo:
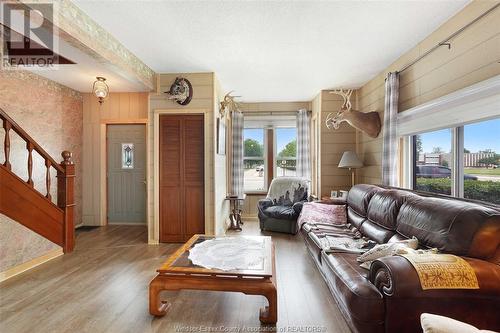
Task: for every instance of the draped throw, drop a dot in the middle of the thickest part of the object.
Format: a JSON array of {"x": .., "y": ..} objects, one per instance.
[
  {"x": 390, "y": 144},
  {"x": 303, "y": 144},
  {"x": 237, "y": 153}
]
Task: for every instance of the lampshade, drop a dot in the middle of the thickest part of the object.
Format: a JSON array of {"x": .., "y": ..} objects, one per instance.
[{"x": 350, "y": 160}]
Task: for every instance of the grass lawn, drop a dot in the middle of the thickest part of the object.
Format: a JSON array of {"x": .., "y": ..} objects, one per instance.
[{"x": 482, "y": 171}]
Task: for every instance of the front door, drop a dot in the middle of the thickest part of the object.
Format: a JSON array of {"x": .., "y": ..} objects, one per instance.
[
  {"x": 182, "y": 177},
  {"x": 126, "y": 164}
]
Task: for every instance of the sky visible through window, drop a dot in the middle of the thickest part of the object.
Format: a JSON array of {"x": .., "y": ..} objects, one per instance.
[
  {"x": 255, "y": 134},
  {"x": 285, "y": 135},
  {"x": 478, "y": 137}
]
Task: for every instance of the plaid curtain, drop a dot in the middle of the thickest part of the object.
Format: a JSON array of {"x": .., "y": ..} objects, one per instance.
[
  {"x": 237, "y": 158},
  {"x": 303, "y": 146},
  {"x": 390, "y": 144}
]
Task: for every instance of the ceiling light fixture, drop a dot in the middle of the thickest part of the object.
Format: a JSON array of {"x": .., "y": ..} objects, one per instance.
[{"x": 100, "y": 89}]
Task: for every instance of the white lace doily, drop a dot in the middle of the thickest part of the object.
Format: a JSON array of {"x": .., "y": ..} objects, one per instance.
[{"x": 229, "y": 253}]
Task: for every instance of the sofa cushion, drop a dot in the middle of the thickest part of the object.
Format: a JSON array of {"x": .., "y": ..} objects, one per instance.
[
  {"x": 451, "y": 226},
  {"x": 359, "y": 197},
  {"x": 354, "y": 218},
  {"x": 384, "y": 207},
  {"x": 355, "y": 293},
  {"x": 281, "y": 212},
  {"x": 382, "y": 214}
]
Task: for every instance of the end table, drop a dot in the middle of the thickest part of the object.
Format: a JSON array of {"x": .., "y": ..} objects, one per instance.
[{"x": 235, "y": 203}]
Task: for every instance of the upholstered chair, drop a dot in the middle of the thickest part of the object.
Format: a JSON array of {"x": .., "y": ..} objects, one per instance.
[{"x": 282, "y": 206}]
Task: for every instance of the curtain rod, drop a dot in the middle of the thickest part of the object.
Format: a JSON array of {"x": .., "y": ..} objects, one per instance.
[
  {"x": 271, "y": 113},
  {"x": 446, "y": 41}
]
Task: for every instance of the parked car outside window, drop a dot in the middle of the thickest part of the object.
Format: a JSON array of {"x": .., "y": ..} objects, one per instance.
[{"x": 437, "y": 171}]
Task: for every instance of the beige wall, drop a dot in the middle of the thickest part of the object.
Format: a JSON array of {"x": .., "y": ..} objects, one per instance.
[
  {"x": 473, "y": 57},
  {"x": 117, "y": 108},
  {"x": 52, "y": 115},
  {"x": 206, "y": 93}
]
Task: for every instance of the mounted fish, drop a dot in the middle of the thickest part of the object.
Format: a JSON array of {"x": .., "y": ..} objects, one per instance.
[
  {"x": 368, "y": 122},
  {"x": 181, "y": 91}
]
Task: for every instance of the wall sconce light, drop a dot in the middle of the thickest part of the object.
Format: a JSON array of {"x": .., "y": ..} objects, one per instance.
[{"x": 100, "y": 89}]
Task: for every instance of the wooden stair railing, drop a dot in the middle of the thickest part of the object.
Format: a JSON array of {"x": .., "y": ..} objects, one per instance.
[{"x": 20, "y": 201}]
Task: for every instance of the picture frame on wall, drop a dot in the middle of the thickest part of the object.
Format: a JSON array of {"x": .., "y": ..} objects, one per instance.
[
  {"x": 333, "y": 194},
  {"x": 221, "y": 137}
]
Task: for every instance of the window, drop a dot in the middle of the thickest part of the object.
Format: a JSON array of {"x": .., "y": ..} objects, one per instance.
[
  {"x": 433, "y": 162},
  {"x": 462, "y": 161},
  {"x": 269, "y": 152},
  {"x": 481, "y": 161},
  {"x": 254, "y": 165},
  {"x": 286, "y": 147}
]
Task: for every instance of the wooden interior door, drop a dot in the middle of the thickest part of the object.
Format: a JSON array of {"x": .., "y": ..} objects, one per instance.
[{"x": 182, "y": 177}]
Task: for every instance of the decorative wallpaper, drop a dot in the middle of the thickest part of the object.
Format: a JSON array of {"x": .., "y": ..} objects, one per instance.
[
  {"x": 52, "y": 115},
  {"x": 19, "y": 244}
]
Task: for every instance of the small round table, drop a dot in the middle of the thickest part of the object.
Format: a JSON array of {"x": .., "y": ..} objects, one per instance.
[{"x": 235, "y": 214}]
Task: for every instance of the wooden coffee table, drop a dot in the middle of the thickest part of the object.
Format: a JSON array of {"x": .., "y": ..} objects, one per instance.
[{"x": 178, "y": 272}]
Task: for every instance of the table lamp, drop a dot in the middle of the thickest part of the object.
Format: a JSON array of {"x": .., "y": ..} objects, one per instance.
[{"x": 350, "y": 161}]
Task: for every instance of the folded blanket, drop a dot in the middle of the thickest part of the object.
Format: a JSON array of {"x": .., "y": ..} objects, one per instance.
[
  {"x": 387, "y": 249},
  {"x": 316, "y": 213},
  {"x": 331, "y": 244},
  {"x": 442, "y": 271}
]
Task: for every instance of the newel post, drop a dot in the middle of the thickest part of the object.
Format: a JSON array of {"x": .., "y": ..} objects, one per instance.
[{"x": 66, "y": 199}]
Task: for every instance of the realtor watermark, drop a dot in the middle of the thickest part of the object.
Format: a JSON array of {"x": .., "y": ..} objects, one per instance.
[
  {"x": 28, "y": 34},
  {"x": 250, "y": 329}
]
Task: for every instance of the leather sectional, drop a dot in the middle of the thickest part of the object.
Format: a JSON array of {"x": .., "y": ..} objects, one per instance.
[{"x": 388, "y": 297}]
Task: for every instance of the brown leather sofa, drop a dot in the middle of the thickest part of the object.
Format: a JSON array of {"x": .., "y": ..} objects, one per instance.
[{"x": 388, "y": 297}]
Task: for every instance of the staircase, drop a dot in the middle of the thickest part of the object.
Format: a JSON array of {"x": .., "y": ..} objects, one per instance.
[{"x": 20, "y": 201}]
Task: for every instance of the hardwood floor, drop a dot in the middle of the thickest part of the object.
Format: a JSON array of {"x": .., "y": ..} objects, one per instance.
[{"x": 103, "y": 287}]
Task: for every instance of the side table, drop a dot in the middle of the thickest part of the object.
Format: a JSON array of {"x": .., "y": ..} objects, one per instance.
[{"x": 235, "y": 213}]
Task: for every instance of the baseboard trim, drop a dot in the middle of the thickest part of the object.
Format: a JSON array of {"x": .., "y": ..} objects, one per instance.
[
  {"x": 126, "y": 223},
  {"x": 16, "y": 270},
  {"x": 250, "y": 218}
]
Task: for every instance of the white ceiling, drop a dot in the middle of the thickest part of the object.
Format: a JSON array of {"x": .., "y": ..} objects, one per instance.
[
  {"x": 272, "y": 50},
  {"x": 81, "y": 75}
]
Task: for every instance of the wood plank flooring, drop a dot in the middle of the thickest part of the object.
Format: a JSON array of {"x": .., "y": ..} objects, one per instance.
[{"x": 103, "y": 287}]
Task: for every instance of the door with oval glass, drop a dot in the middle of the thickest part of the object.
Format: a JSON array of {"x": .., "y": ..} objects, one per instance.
[{"x": 126, "y": 181}]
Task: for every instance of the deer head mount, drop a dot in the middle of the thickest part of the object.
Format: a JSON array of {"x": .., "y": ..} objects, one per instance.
[
  {"x": 368, "y": 122},
  {"x": 228, "y": 103}
]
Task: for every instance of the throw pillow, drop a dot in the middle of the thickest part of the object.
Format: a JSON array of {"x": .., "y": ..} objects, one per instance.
[
  {"x": 432, "y": 323},
  {"x": 315, "y": 213}
]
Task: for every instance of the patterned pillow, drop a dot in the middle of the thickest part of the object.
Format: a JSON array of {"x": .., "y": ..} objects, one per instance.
[
  {"x": 387, "y": 249},
  {"x": 314, "y": 213}
]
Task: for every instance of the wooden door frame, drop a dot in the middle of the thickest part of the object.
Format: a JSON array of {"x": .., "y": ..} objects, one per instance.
[
  {"x": 154, "y": 225},
  {"x": 104, "y": 163}
]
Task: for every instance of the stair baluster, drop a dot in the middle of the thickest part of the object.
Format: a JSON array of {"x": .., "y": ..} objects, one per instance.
[
  {"x": 6, "y": 144},
  {"x": 29, "y": 146},
  {"x": 47, "y": 179}
]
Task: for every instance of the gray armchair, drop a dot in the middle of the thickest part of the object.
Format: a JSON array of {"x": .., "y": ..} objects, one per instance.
[{"x": 282, "y": 206}]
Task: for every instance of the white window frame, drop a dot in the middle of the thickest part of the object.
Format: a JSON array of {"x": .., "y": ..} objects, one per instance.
[
  {"x": 452, "y": 111},
  {"x": 275, "y": 149},
  {"x": 266, "y": 174}
]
